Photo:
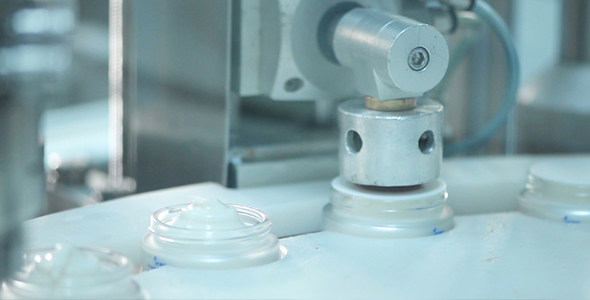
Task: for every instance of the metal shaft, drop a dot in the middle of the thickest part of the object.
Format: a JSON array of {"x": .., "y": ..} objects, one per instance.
[{"x": 116, "y": 92}]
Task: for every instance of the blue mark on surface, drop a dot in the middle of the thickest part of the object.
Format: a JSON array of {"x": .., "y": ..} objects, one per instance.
[
  {"x": 157, "y": 264},
  {"x": 437, "y": 232},
  {"x": 567, "y": 220}
]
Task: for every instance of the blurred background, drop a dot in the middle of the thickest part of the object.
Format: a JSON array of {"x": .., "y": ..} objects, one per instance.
[{"x": 120, "y": 97}]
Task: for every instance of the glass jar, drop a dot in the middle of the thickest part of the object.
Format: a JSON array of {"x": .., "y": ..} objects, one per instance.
[
  {"x": 559, "y": 190},
  {"x": 209, "y": 234},
  {"x": 379, "y": 212},
  {"x": 65, "y": 272}
]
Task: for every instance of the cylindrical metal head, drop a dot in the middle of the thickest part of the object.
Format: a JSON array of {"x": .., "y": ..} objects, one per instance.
[
  {"x": 392, "y": 56},
  {"x": 390, "y": 148}
]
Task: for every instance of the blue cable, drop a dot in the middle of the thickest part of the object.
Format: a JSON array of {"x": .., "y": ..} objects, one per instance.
[{"x": 491, "y": 17}]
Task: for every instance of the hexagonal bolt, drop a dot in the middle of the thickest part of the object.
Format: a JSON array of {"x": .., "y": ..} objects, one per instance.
[{"x": 418, "y": 59}]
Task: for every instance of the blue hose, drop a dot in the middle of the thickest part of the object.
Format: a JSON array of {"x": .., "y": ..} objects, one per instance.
[{"x": 490, "y": 16}]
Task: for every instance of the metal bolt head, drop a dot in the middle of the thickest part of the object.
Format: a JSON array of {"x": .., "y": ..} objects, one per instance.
[{"x": 418, "y": 59}]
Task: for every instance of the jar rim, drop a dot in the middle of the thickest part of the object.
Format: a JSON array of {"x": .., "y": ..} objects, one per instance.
[
  {"x": 560, "y": 178},
  {"x": 118, "y": 266},
  {"x": 257, "y": 221},
  {"x": 352, "y": 196}
]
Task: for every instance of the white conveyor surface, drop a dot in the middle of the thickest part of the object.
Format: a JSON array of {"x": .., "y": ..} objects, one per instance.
[{"x": 493, "y": 252}]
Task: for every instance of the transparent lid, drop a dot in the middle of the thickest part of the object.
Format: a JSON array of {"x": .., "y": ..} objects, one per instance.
[
  {"x": 565, "y": 179},
  {"x": 558, "y": 189},
  {"x": 71, "y": 272}
]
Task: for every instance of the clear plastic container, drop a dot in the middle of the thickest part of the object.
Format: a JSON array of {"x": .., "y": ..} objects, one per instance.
[
  {"x": 66, "y": 272},
  {"x": 559, "y": 190},
  {"x": 388, "y": 212},
  {"x": 208, "y": 234}
]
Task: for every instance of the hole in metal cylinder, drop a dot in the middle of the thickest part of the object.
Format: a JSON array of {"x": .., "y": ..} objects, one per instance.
[
  {"x": 354, "y": 143},
  {"x": 426, "y": 142}
]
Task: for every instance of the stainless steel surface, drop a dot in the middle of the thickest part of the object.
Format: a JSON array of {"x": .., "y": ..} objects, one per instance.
[
  {"x": 379, "y": 148},
  {"x": 267, "y": 150},
  {"x": 285, "y": 170},
  {"x": 180, "y": 88},
  {"x": 392, "y": 57}
]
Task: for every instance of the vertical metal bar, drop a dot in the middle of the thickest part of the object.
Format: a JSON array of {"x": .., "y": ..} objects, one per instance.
[
  {"x": 510, "y": 148},
  {"x": 116, "y": 92},
  {"x": 129, "y": 90}
]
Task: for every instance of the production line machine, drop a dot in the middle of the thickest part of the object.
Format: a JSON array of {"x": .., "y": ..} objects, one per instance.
[{"x": 284, "y": 149}]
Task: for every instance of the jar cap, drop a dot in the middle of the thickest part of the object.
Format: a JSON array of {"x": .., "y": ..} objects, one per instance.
[{"x": 558, "y": 189}]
